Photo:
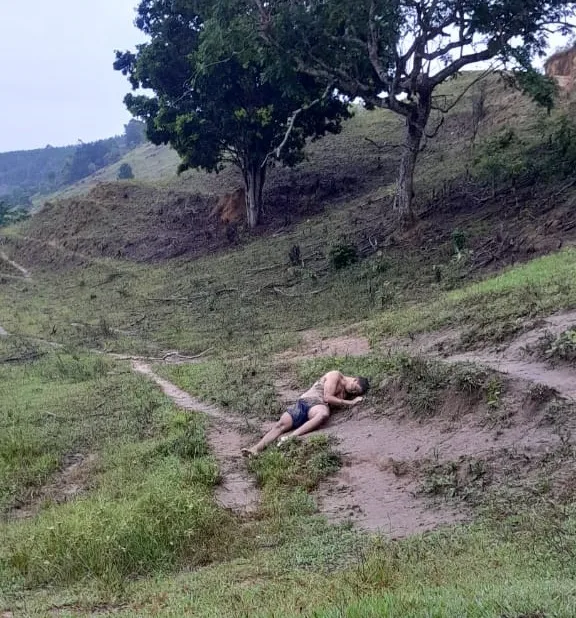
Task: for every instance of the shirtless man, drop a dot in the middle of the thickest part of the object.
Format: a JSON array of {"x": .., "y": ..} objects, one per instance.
[{"x": 313, "y": 407}]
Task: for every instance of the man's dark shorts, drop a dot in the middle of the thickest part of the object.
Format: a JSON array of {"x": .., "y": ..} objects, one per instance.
[{"x": 299, "y": 413}]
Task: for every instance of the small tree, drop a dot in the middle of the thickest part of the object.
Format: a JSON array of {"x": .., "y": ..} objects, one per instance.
[
  {"x": 217, "y": 99},
  {"x": 395, "y": 53},
  {"x": 125, "y": 172},
  {"x": 134, "y": 133}
]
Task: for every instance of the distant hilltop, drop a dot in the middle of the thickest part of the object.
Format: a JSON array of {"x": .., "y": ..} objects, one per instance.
[{"x": 562, "y": 67}]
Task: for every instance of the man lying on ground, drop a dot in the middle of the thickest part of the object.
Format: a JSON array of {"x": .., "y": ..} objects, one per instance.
[{"x": 313, "y": 407}]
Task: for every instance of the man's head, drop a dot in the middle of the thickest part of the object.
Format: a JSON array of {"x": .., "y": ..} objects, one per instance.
[{"x": 357, "y": 386}]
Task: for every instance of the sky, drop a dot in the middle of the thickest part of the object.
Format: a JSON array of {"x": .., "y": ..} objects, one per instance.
[{"x": 57, "y": 85}]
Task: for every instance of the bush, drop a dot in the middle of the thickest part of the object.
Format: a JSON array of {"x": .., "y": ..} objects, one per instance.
[
  {"x": 125, "y": 172},
  {"x": 343, "y": 255}
]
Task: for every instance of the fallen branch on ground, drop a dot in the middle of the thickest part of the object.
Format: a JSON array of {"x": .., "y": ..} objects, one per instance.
[
  {"x": 167, "y": 356},
  {"x": 297, "y": 295}
]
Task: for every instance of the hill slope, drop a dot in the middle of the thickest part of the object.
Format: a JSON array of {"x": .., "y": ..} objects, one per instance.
[{"x": 116, "y": 498}]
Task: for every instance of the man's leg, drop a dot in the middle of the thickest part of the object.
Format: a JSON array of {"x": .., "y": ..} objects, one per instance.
[
  {"x": 282, "y": 426},
  {"x": 316, "y": 416}
]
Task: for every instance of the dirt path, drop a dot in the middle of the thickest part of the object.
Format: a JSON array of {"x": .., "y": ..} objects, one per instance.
[
  {"x": 237, "y": 490},
  {"x": 25, "y": 272},
  {"x": 517, "y": 358},
  {"x": 372, "y": 490}
]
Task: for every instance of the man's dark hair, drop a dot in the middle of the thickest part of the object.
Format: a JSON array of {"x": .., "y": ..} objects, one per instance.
[{"x": 364, "y": 384}]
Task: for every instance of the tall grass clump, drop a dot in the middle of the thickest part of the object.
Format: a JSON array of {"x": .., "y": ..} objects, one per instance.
[{"x": 167, "y": 522}]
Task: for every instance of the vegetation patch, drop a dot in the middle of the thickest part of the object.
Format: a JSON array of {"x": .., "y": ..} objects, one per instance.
[
  {"x": 560, "y": 347},
  {"x": 427, "y": 387},
  {"x": 148, "y": 505},
  {"x": 244, "y": 387},
  {"x": 494, "y": 308}
]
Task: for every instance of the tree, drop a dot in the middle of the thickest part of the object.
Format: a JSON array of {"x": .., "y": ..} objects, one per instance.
[
  {"x": 134, "y": 133},
  {"x": 217, "y": 99},
  {"x": 125, "y": 172},
  {"x": 395, "y": 53}
]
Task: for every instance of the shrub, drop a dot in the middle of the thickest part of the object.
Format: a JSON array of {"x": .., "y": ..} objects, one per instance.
[
  {"x": 343, "y": 255},
  {"x": 125, "y": 172}
]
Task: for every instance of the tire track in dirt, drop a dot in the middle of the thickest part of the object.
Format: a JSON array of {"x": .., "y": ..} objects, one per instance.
[{"x": 237, "y": 490}]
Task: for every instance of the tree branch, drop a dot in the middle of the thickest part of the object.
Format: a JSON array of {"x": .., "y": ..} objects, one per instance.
[
  {"x": 292, "y": 120},
  {"x": 491, "y": 69},
  {"x": 463, "y": 61}
]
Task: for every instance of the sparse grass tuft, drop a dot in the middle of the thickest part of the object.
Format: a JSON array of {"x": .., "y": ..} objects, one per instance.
[
  {"x": 245, "y": 387},
  {"x": 425, "y": 386}
]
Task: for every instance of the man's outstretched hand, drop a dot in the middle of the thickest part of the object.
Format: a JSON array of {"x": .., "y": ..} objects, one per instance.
[{"x": 357, "y": 400}]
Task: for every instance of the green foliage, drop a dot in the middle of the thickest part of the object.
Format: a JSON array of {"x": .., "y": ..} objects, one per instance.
[
  {"x": 560, "y": 347},
  {"x": 458, "y": 240},
  {"x": 502, "y": 157},
  {"x": 24, "y": 173},
  {"x": 90, "y": 157},
  {"x": 9, "y": 215},
  {"x": 541, "y": 88},
  {"x": 134, "y": 133},
  {"x": 125, "y": 172},
  {"x": 343, "y": 255},
  {"x": 216, "y": 98},
  {"x": 361, "y": 47}
]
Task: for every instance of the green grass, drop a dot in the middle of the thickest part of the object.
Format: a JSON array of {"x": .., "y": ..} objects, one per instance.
[
  {"x": 245, "y": 387},
  {"x": 147, "y": 502},
  {"x": 64, "y": 403},
  {"x": 481, "y": 572},
  {"x": 495, "y": 307},
  {"x": 425, "y": 388},
  {"x": 145, "y": 537}
]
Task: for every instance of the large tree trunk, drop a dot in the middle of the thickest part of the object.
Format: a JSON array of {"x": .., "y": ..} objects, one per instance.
[
  {"x": 415, "y": 127},
  {"x": 254, "y": 179}
]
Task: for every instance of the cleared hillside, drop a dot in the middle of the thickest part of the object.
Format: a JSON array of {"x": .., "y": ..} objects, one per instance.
[{"x": 124, "y": 493}]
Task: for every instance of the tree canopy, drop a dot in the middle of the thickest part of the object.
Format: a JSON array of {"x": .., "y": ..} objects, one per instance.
[
  {"x": 217, "y": 96},
  {"x": 395, "y": 53}
]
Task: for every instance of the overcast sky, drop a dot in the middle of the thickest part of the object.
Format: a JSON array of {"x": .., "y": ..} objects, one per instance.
[{"x": 57, "y": 84}]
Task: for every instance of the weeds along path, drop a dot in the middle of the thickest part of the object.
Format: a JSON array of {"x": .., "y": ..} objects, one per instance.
[
  {"x": 25, "y": 272},
  {"x": 523, "y": 358},
  {"x": 237, "y": 490}
]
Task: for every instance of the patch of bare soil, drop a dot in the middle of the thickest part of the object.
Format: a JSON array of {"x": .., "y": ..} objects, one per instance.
[
  {"x": 372, "y": 488},
  {"x": 73, "y": 479},
  {"x": 378, "y": 487},
  {"x": 4, "y": 333},
  {"x": 516, "y": 358},
  {"x": 315, "y": 346},
  {"x": 237, "y": 490}
]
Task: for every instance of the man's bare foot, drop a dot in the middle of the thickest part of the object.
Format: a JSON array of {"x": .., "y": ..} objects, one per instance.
[
  {"x": 248, "y": 453},
  {"x": 285, "y": 439}
]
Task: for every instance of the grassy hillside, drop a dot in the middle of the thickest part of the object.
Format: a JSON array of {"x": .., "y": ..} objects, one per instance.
[{"x": 111, "y": 494}]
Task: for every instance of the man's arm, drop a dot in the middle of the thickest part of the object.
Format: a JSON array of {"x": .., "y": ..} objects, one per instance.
[{"x": 331, "y": 387}]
